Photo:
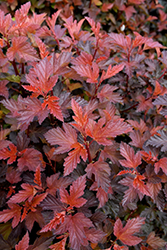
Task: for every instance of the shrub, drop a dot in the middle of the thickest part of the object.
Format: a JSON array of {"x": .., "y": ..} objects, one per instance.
[{"x": 83, "y": 125}]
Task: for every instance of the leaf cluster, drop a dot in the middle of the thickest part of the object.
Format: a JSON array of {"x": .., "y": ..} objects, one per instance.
[{"x": 83, "y": 134}]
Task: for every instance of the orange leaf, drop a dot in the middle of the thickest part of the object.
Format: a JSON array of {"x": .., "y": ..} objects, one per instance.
[{"x": 125, "y": 234}]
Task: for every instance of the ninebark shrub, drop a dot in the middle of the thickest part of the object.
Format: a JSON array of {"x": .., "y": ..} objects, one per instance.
[{"x": 83, "y": 139}]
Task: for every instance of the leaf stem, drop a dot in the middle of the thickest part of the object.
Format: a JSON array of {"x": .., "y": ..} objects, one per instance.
[{"x": 88, "y": 151}]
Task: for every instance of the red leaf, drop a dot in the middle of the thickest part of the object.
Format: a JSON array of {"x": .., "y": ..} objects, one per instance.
[
  {"x": 132, "y": 160},
  {"x": 14, "y": 212},
  {"x": 60, "y": 63},
  {"x": 107, "y": 93},
  {"x": 112, "y": 72},
  {"x": 53, "y": 105},
  {"x": 3, "y": 88},
  {"x": 30, "y": 159},
  {"x": 33, "y": 216},
  {"x": 89, "y": 72},
  {"x": 95, "y": 27},
  {"x": 24, "y": 243},
  {"x": 37, "y": 176},
  {"x": 42, "y": 47},
  {"x": 162, "y": 163},
  {"x": 126, "y": 234},
  {"x": 21, "y": 49},
  {"x": 94, "y": 235},
  {"x": 154, "y": 189},
  {"x": 59, "y": 245},
  {"x": 13, "y": 175},
  {"x": 28, "y": 192},
  {"x": 54, "y": 183},
  {"x": 64, "y": 138},
  {"x": 41, "y": 78},
  {"x": 155, "y": 242},
  {"x": 73, "y": 158},
  {"x": 10, "y": 153},
  {"x": 102, "y": 132},
  {"x": 84, "y": 58},
  {"x": 76, "y": 226},
  {"x": 101, "y": 170},
  {"x": 81, "y": 117},
  {"x": 73, "y": 27},
  {"x": 102, "y": 197},
  {"x": 76, "y": 191},
  {"x": 58, "y": 219},
  {"x": 25, "y": 109},
  {"x": 140, "y": 185}
]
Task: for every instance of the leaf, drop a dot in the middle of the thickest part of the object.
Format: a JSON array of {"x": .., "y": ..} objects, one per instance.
[
  {"x": 76, "y": 226},
  {"x": 107, "y": 93},
  {"x": 10, "y": 153},
  {"x": 34, "y": 216},
  {"x": 162, "y": 163},
  {"x": 4, "y": 89},
  {"x": 21, "y": 49},
  {"x": 58, "y": 219},
  {"x": 87, "y": 71},
  {"x": 14, "y": 212},
  {"x": 13, "y": 175},
  {"x": 30, "y": 159},
  {"x": 21, "y": 14},
  {"x": 42, "y": 47},
  {"x": 84, "y": 58},
  {"x": 25, "y": 109},
  {"x": 59, "y": 245},
  {"x": 81, "y": 117},
  {"x": 24, "y": 243},
  {"x": 41, "y": 78},
  {"x": 112, "y": 71},
  {"x": 95, "y": 27},
  {"x": 54, "y": 183},
  {"x": 73, "y": 27},
  {"x": 102, "y": 132},
  {"x": 140, "y": 185},
  {"x": 37, "y": 176},
  {"x": 159, "y": 140},
  {"x": 94, "y": 235},
  {"x": 64, "y": 138},
  {"x": 102, "y": 197},
  {"x": 125, "y": 234},
  {"x": 132, "y": 160},
  {"x": 155, "y": 242},
  {"x": 60, "y": 63},
  {"x": 73, "y": 158},
  {"x": 76, "y": 191},
  {"x": 28, "y": 192},
  {"x": 101, "y": 170},
  {"x": 52, "y": 104}
]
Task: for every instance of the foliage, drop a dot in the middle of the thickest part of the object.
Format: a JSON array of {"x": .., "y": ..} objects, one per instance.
[{"x": 83, "y": 125}]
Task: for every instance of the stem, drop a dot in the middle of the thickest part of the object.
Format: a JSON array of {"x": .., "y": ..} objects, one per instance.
[
  {"x": 88, "y": 151},
  {"x": 97, "y": 41},
  {"x": 133, "y": 106},
  {"x": 22, "y": 69},
  {"x": 90, "y": 3},
  {"x": 77, "y": 50},
  {"x": 15, "y": 68},
  {"x": 162, "y": 75}
]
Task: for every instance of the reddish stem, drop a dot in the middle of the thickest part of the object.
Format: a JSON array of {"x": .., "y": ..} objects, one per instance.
[
  {"x": 90, "y": 3},
  {"x": 88, "y": 151}
]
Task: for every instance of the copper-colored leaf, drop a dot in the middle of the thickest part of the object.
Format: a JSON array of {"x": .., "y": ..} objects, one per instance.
[
  {"x": 24, "y": 243},
  {"x": 125, "y": 234},
  {"x": 74, "y": 199},
  {"x": 14, "y": 212}
]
